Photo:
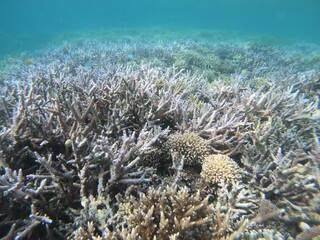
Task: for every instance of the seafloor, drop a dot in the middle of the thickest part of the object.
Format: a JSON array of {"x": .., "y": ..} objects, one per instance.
[{"x": 161, "y": 139}]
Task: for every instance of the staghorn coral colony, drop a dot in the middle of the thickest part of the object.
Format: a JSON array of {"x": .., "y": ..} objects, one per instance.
[{"x": 147, "y": 140}]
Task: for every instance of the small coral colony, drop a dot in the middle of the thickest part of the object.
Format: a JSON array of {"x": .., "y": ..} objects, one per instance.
[{"x": 160, "y": 140}]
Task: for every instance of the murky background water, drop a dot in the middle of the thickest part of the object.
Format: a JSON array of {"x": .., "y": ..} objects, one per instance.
[{"x": 29, "y": 25}]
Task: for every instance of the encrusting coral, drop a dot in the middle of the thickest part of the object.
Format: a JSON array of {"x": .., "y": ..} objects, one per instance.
[{"x": 218, "y": 168}]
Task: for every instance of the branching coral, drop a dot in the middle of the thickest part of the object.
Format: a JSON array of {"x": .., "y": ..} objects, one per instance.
[
  {"x": 164, "y": 213},
  {"x": 82, "y": 129},
  {"x": 308, "y": 232},
  {"x": 232, "y": 211}
]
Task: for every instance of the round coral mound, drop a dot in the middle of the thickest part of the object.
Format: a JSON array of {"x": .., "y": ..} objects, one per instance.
[
  {"x": 188, "y": 145},
  {"x": 218, "y": 168}
]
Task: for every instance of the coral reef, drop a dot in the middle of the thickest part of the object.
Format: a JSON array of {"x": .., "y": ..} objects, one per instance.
[
  {"x": 165, "y": 213},
  {"x": 110, "y": 141},
  {"x": 190, "y": 146},
  {"x": 308, "y": 232},
  {"x": 218, "y": 168}
]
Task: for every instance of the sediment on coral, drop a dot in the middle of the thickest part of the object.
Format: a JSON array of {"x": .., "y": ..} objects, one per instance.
[{"x": 98, "y": 145}]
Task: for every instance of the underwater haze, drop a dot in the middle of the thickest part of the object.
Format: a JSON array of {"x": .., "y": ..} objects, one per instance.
[
  {"x": 27, "y": 25},
  {"x": 168, "y": 119}
]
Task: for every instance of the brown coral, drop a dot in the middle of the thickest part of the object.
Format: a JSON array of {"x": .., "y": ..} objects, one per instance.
[
  {"x": 188, "y": 145},
  {"x": 218, "y": 168},
  {"x": 164, "y": 214}
]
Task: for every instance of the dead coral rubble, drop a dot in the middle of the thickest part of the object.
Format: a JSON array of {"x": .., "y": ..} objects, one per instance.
[{"x": 83, "y": 130}]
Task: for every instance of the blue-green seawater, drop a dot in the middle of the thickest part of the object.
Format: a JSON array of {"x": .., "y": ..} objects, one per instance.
[{"x": 27, "y": 25}]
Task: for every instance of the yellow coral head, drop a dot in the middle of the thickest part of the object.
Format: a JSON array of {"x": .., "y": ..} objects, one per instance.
[{"x": 218, "y": 168}]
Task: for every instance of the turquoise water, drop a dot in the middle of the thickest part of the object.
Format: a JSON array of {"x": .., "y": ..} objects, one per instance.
[
  {"x": 29, "y": 25},
  {"x": 141, "y": 119}
]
